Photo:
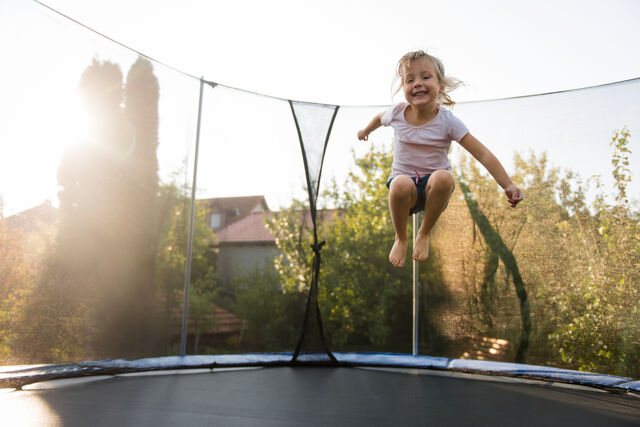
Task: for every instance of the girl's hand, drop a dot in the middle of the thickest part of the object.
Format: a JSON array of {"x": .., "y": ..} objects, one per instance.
[
  {"x": 514, "y": 195},
  {"x": 363, "y": 135}
]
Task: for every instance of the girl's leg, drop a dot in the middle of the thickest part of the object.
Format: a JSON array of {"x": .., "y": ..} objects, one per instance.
[
  {"x": 438, "y": 192},
  {"x": 402, "y": 197}
]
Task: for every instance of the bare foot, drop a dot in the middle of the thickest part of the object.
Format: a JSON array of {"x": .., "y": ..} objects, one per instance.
[
  {"x": 421, "y": 248},
  {"x": 398, "y": 252}
]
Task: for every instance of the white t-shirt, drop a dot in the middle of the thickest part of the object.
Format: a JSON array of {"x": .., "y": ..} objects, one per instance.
[{"x": 422, "y": 149}]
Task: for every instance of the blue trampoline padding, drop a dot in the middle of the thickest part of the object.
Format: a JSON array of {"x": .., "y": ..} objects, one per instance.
[
  {"x": 485, "y": 367},
  {"x": 631, "y": 386},
  {"x": 11, "y": 377}
]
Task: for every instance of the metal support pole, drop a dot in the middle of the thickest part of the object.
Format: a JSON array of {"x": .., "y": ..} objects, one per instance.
[
  {"x": 416, "y": 288},
  {"x": 187, "y": 272}
]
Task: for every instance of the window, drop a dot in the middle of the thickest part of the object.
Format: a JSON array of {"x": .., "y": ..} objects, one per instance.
[{"x": 216, "y": 220}]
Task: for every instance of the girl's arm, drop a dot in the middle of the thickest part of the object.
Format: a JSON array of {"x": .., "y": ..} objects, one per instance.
[
  {"x": 493, "y": 165},
  {"x": 363, "y": 135}
]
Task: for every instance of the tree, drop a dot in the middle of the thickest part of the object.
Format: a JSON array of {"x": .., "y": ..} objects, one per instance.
[
  {"x": 97, "y": 282},
  {"x": 39, "y": 316},
  {"x": 273, "y": 311},
  {"x": 121, "y": 245},
  {"x": 141, "y": 169},
  {"x": 86, "y": 262},
  {"x": 364, "y": 300},
  {"x": 498, "y": 249},
  {"x": 578, "y": 258},
  {"x": 487, "y": 249},
  {"x": 173, "y": 225},
  {"x": 16, "y": 278},
  {"x": 598, "y": 313}
]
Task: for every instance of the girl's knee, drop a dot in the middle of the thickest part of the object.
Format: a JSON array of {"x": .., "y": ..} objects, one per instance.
[
  {"x": 441, "y": 180},
  {"x": 402, "y": 185},
  {"x": 402, "y": 189}
]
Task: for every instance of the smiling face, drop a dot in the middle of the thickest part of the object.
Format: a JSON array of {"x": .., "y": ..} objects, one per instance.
[{"x": 421, "y": 85}]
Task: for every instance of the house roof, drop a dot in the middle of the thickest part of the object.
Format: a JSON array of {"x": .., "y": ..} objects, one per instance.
[
  {"x": 224, "y": 322},
  {"x": 244, "y": 204},
  {"x": 30, "y": 219},
  {"x": 232, "y": 209},
  {"x": 251, "y": 228}
]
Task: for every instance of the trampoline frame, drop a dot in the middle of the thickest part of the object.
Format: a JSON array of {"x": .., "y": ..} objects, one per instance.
[{"x": 18, "y": 377}]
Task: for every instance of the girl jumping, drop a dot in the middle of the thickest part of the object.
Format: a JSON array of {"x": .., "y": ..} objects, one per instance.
[{"x": 421, "y": 177}]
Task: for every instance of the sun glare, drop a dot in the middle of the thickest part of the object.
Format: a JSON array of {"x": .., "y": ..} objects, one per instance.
[
  {"x": 72, "y": 124},
  {"x": 23, "y": 408},
  {"x": 46, "y": 121}
]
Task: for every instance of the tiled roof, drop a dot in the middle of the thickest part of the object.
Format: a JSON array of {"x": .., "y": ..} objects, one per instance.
[
  {"x": 243, "y": 204},
  {"x": 232, "y": 209},
  {"x": 224, "y": 322},
  {"x": 251, "y": 228},
  {"x": 28, "y": 220}
]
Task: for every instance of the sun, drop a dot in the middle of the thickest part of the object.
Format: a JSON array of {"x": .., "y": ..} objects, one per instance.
[
  {"x": 72, "y": 124},
  {"x": 42, "y": 121}
]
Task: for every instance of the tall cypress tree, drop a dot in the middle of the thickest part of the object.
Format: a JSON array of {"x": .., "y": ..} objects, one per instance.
[
  {"x": 107, "y": 208},
  {"x": 139, "y": 197},
  {"x": 141, "y": 109},
  {"x": 62, "y": 309},
  {"x": 88, "y": 174}
]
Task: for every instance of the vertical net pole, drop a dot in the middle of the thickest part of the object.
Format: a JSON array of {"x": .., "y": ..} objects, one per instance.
[
  {"x": 187, "y": 270},
  {"x": 416, "y": 289}
]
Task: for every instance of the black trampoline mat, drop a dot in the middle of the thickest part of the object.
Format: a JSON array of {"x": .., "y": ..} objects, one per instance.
[{"x": 316, "y": 396}]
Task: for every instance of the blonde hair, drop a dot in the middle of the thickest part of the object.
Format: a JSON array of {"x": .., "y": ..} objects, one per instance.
[{"x": 450, "y": 83}]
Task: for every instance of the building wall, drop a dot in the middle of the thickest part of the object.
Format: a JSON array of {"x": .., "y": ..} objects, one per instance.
[{"x": 237, "y": 260}]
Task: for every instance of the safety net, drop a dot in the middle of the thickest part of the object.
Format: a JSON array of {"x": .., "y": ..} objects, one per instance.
[{"x": 127, "y": 184}]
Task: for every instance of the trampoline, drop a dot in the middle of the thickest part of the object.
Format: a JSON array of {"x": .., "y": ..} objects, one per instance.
[
  {"x": 357, "y": 390},
  {"x": 309, "y": 394}
]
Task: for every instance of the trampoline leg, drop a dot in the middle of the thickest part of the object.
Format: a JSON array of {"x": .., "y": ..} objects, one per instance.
[{"x": 416, "y": 288}]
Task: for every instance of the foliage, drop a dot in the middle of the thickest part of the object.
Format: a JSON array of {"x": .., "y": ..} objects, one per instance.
[
  {"x": 31, "y": 327},
  {"x": 110, "y": 268},
  {"x": 597, "y": 314},
  {"x": 49, "y": 320},
  {"x": 473, "y": 238},
  {"x": 578, "y": 259},
  {"x": 365, "y": 302},
  {"x": 173, "y": 229},
  {"x": 15, "y": 274},
  {"x": 497, "y": 249},
  {"x": 273, "y": 314},
  {"x": 107, "y": 204}
]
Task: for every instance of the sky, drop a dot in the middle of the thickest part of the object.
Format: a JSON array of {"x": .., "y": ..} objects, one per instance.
[
  {"x": 336, "y": 52},
  {"x": 344, "y": 52}
]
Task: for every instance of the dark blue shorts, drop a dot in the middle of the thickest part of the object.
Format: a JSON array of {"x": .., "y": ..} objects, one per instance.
[{"x": 421, "y": 186}]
